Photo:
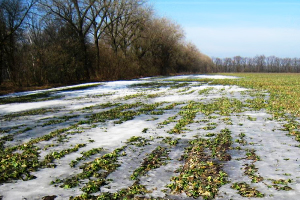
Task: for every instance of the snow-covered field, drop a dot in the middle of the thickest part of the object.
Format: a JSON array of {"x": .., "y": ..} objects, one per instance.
[{"x": 134, "y": 136}]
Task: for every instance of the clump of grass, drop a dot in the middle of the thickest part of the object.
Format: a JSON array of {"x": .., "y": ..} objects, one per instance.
[
  {"x": 86, "y": 155},
  {"x": 151, "y": 96},
  {"x": 170, "y": 106},
  {"x": 49, "y": 146},
  {"x": 221, "y": 106},
  {"x": 202, "y": 175},
  {"x": 133, "y": 96},
  {"x": 257, "y": 103},
  {"x": 250, "y": 171},
  {"x": 154, "y": 160},
  {"x": 40, "y": 111},
  {"x": 101, "y": 95},
  {"x": 4, "y": 139},
  {"x": 145, "y": 130},
  {"x": 169, "y": 120},
  {"x": 246, "y": 191},
  {"x": 221, "y": 144},
  {"x": 42, "y": 96},
  {"x": 188, "y": 114},
  {"x": 79, "y": 87},
  {"x": 182, "y": 91},
  {"x": 16, "y": 166},
  {"x": 281, "y": 184},
  {"x": 179, "y": 85},
  {"x": 241, "y": 140},
  {"x": 53, "y": 134},
  {"x": 95, "y": 171},
  {"x": 48, "y": 160},
  {"x": 128, "y": 193},
  {"x": 100, "y": 106},
  {"x": 116, "y": 113},
  {"x": 205, "y": 91},
  {"x": 251, "y": 155},
  {"x": 122, "y": 112},
  {"x": 209, "y": 127},
  {"x": 226, "y": 106},
  {"x": 251, "y": 118},
  {"x": 293, "y": 128},
  {"x": 138, "y": 141},
  {"x": 159, "y": 112},
  {"x": 227, "y": 120},
  {"x": 210, "y": 135},
  {"x": 59, "y": 120},
  {"x": 152, "y": 119},
  {"x": 171, "y": 141},
  {"x": 149, "y": 107},
  {"x": 188, "y": 92},
  {"x": 53, "y": 121}
]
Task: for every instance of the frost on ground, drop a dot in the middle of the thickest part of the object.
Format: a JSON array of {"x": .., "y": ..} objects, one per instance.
[{"x": 153, "y": 138}]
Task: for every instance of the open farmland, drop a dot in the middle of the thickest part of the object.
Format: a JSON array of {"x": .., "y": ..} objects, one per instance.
[{"x": 181, "y": 137}]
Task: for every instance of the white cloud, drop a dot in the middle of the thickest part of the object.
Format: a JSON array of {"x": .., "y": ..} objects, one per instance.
[{"x": 231, "y": 41}]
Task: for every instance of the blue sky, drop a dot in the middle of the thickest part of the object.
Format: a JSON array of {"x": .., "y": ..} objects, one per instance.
[{"x": 227, "y": 28}]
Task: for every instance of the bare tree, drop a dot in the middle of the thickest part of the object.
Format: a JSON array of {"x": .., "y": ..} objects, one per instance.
[
  {"x": 237, "y": 60},
  {"x": 2, "y": 34},
  {"x": 259, "y": 63},
  {"x": 13, "y": 13},
  {"x": 125, "y": 18},
  {"x": 63, "y": 41},
  {"x": 78, "y": 14},
  {"x": 165, "y": 41},
  {"x": 99, "y": 14}
]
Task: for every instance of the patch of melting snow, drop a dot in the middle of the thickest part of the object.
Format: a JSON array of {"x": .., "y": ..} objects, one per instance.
[
  {"x": 202, "y": 76},
  {"x": 19, "y": 107},
  {"x": 40, "y": 187},
  {"x": 17, "y": 94},
  {"x": 105, "y": 87},
  {"x": 279, "y": 153},
  {"x": 216, "y": 77}
]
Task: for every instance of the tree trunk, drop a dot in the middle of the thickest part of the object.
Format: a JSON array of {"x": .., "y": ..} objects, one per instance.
[
  {"x": 85, "y": 57},
  {"x": 1, "y": 66},
  {"x": 96, "y": 42}
]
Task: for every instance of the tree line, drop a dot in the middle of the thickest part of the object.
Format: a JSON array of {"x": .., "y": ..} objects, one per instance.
[
  {"x": 64, "y": 41},
  {"x": 258, "y": 63}
]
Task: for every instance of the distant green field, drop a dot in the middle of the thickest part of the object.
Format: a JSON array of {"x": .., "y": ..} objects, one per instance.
[{"x": 284, "y": 89}]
